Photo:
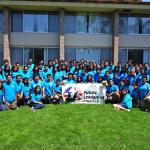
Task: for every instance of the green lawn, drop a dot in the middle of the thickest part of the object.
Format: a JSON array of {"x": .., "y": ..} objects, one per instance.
[{"x": 69, "y": 127}]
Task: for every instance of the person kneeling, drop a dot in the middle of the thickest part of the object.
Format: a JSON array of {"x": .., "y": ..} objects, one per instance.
[
  {"x": 126, "y": 101},
  {"x": 36, "y": 98}
]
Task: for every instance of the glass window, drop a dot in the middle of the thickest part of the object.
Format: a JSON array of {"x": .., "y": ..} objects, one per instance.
[
  {"x": 123, "y": 24},
  {"x": 17, "y": 21},
  {"x": 28, "y": 22},
  {"x": 94, "y": 23},
  {"x": 53, "y": 53},
  {"x": 133, "y": 25},
  {"x": 17, "y": 56},
  {"x": 70, "y": 23},
  {"x": 70, "y": 54},
  {"x": 1, "y": 21},
  {"x": 28, "y": 53},
  {"x": 53, "y": 22},
  {"x": 145, "y": 25},
  {"x": 35, "y": 22},
  {"x": 106, "y": 21},
  {"x": 41, "y": 22},
  {"x": 89, "y": 54},
  {"x": 1, "y": 55},
  {"x": 105, "y": 54},
  {"x": 123, "y": 55},
  {"x": 81, "y": 23}
]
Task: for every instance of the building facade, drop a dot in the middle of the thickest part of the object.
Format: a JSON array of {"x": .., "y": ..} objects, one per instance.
[{"x": 72, "y": 30}]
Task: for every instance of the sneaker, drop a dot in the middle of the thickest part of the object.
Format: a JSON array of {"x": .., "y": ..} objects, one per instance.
[{"x": 32, "y": 109}]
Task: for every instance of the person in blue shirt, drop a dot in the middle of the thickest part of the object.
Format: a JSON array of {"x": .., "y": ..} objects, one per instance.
[
  {"x": 2, "y": 76},
  {"x": 144, "y": 92},
  {"x": 135, "y": 94},
  {"x": 45, "y": 72},
  {"x": 56, "y": 74},
  {"x": 126, "y": 102},
  {"x": 96, "y": 75},
  {"x": 11, "y": 90},
  {"x": 112, "y": 92},
  {"x": 14, "y": 72},
  {"x": 36, "y": 81},
  {"x": 58, "y": 93},
  {"x": 127, "y": 86},
  {"x": 69, "y": 80},
  {"x": 83, "y": 75},
  {"x": 2, "y": 106},
  {"x": 36, "y": 98},
  {"x": 36, "y": 71},
  {"x": 26, "y": 91},
  {"x": 20, "y": 88},
  {"x": 25, "y": 73},
  {"x": 49, "y": 89},
  {"x": 116, "y": 78},
  {"x": 89, "y": 79}
]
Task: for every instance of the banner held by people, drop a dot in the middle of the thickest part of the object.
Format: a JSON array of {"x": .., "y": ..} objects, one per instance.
[{"x": 89, "y": 93}]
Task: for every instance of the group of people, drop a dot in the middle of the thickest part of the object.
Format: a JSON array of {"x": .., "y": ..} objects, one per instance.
[{"x": 38, "y": 84}]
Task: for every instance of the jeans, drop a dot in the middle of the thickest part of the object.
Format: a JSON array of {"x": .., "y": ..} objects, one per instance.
[{"x": 2, "y": 107}]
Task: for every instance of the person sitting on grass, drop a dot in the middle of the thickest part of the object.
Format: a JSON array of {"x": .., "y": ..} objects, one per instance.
[
  {"x": 58, "y": 93},
  {"x": 10, "y": 94},
  {"x": 126, "y": 101},
  {"x": 36, "y": 98},
  {"x": 2, "y": 106},
  {"x": 112, "y": 92}
]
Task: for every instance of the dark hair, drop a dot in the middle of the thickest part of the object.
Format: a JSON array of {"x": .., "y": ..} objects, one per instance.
[{"x": 36, "y": 88}]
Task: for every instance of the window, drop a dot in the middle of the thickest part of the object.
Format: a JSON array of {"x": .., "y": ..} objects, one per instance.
[
  {"x": 35, "y": 22},
  {"x": 88, "y": 23},
  {"x": 17, "y": 56},
  {"x": 17, "y": 21},
  {"x": 1, "y": 55},
  {"x": 70, "y": 54},
  {"x": 70, "y": 23},
  {"x": 81, "y": 23},
  {"x": 28, "y": 53},
  {"x": 105, "y": 54},
  {"x": 123, "y": 24},
  {"x": 53, "y": 22},
  {"x": 53, "y": 53},
  {"x": 94, "y": 23},
  {"x": 123, "y": 55},
  {"x": 1, "y": 21},
  {"x": 89, "y": 54},
  {"x": 133, "y": 25},
  {"x": 106, "y": 23},
  {"x": 145, "y": 25}
]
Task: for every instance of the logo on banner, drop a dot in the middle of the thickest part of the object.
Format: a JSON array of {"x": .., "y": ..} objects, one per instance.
[{"x": 72, "y": 93}]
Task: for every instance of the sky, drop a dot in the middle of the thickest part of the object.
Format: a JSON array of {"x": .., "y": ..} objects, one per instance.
[{"x": 146, "y": 0}]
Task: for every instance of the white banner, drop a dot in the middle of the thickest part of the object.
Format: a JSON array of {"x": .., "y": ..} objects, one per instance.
[{"x": 87, "y": 93}]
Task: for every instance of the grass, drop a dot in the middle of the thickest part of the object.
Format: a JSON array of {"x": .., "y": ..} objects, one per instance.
[{"x": 74, "y": 127}]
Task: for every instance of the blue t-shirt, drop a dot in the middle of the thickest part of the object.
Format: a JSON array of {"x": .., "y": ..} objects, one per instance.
[
  {"x": 1, "y": 96},
  {"x": 49, "y": 87},
  {"x": 14, "y": 74},
  {"x": 112, "y": 88},
  {"x": 26, "y": 74},
  {"x": 69, "y": 81},
  {"x": 135, "y": 94},
  {"x": 34, "y": 84},
  {"x": 127, "y": 101},
  {"x": 36, "y": 97},
  {"x": 58, "y": 89},
  {"x": 20, "y": 87},
  {"x": 10, "y": 91},
  {"x": 45, "y": 73},
  {"x": 128, "y": 88},
  {"x": 26, "y": 90},
  {"x": 143, "y": 89}
]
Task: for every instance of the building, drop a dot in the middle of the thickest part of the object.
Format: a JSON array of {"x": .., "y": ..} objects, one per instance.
[{"x": 117, "y": 30}]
